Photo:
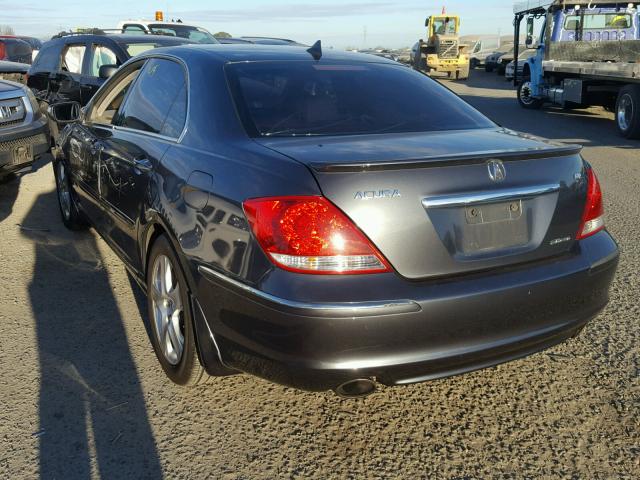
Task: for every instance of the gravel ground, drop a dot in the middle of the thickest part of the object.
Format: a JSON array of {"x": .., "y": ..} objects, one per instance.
[{"x": 82, "y": 395}]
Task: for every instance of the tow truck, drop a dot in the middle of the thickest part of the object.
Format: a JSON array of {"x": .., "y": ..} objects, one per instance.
[{"x": 588, "y": 54}]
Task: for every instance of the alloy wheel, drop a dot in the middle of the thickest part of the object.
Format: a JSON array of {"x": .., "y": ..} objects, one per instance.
[
  {"x": 64, "y": 195},
  {"x": 167, "y": 309},
  {"x": 624, "y": 112}
]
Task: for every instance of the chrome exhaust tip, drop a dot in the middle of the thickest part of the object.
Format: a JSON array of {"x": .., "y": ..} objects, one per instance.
[{"x": 360, "y": 387}]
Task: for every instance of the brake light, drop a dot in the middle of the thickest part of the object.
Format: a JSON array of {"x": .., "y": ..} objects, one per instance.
[
  {"x": 309, "y": 234},
  {"x": 593, "y": 215},
  {"x": 3, "y": 51}
]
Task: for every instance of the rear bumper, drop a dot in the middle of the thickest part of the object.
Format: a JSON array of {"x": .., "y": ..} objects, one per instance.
[
  {"x": 34, "y": 135},
  {"x": 427, "y": 330}
]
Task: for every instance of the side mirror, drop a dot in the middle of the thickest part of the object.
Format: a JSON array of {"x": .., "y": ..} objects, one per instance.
[
  {"x": 64, "y": 112},
  {"x": 529, "y": 40},
  {"x": 107, "y": 71},
  {"x": 426, "y": 22}
]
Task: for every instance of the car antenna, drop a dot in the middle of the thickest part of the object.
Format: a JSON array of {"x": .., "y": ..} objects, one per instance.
[{"x": 316, "y": 50}]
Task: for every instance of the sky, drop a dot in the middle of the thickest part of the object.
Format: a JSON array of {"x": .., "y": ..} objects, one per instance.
[{"x": 338, "y": 23}]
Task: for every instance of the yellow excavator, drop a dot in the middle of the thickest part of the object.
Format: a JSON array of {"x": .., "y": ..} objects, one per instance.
[{"x": 442, "y": 52}]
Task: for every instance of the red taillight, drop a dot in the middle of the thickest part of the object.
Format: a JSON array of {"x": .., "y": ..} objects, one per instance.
[
  {"x": 593, "y": 215},
  {"x": 3, "y": 51},
  {"x": 311, "y": 235}
]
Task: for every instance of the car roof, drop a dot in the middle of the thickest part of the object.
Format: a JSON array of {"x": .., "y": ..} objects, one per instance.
[{"x": 225, "y": 53}]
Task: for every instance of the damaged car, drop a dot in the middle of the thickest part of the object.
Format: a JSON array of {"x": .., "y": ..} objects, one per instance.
[
  {"x": 23, "y": 128},
  {"x": 298, "y": 215}
]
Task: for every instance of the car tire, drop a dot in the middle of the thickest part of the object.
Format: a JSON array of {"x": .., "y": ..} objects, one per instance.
[
  {"x": 474, "y": 63},
  {"x": 524, "y": 97},
  {"x": 69, "y": 212},
  {"x": 627, "y": 111},
  {"x": 171, "y": 316}
]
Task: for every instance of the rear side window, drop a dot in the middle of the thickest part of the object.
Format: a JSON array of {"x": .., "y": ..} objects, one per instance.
[
  {"x": 133, "y": 30},
  {"x": 102, "y": 56},
  {"x": 72, "y": 57},
  {"x": 316, "y": 98},
  {"x": 158, "y": 99}
]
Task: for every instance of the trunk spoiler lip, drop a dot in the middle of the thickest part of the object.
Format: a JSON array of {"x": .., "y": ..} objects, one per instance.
[{"x": 450, "y": 160}]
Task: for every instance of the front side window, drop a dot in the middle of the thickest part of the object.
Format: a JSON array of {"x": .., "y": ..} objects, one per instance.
[
  {"x": 305, "y": 98},
  {"x": 600, "y": 21},
  {"x": 158, "y": 99},
  {"x": 107, "y": 108},
  {"x": 102, "y": 56},
  {"x": 72, "y": 57}
]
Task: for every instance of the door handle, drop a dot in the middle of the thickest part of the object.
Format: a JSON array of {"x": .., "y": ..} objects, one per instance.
[{"x": 142, "y": 165}]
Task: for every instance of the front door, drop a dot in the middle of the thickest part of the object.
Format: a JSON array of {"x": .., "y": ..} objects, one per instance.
[{"x": 151, "y": 119}]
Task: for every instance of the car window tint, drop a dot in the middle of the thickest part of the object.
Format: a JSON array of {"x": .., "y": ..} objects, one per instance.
[
  {"x": 133, "y": 30},
  {"x": 102, "y": 56},
  {"x": 107, "y": 109},
  {"x": 72, "y": 57},
  {"x": 308, "y": 98},
  {"x": 157, "y": 102}
]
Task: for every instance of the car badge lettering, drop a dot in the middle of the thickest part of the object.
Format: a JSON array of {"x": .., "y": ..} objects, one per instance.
[
  {"x": 377, "y": 194},
  {"x": 497, "y": 172}
]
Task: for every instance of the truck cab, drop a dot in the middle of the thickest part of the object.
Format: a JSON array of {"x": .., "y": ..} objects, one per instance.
[{"x": 598, "y": 24}]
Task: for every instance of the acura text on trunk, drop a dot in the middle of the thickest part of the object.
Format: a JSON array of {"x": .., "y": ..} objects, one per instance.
[{"x": 331, "y": 221}]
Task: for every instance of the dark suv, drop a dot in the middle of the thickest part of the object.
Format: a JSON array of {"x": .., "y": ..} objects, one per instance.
[
  {"x": 71, "y": 66},
  {"x": 15, "y": 50}
]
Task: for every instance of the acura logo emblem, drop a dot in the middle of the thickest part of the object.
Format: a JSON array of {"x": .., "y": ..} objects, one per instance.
[{"x": 497, "y": 172}]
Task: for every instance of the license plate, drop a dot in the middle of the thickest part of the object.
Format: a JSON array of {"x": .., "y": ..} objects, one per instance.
[
  {"x": 22, "y": 154},
  {"x": 493, "y": 212}
]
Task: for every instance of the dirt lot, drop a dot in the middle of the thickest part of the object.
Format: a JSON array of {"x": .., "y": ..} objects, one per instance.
[{"x": 82, "y": 395}]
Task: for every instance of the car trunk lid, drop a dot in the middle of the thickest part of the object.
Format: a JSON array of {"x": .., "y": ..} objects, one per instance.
[{"x": 438, "y": 204}]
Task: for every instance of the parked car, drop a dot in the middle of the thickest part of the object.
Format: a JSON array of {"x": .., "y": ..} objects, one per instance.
[
  {"x": 174, "y": 29},
  {"x": 14, "y": 71},
  {"x": 34, "y": 43},
  {"x": 73, "y": 67},
  {"x": 522, "y": 58},
  {"x": 381, "y": 52},
  {"x": 15, "y": 50},
  {"x": 298, "y": 215},
  {"x": 23, "y": 128},
  {"x": 491, "y": 61},
  {"x": 503, "y": 60},
  {"x": 274, "y": 41}
]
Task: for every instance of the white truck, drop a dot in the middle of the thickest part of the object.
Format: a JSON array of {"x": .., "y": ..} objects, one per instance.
[{"x": 175, "y": 29}]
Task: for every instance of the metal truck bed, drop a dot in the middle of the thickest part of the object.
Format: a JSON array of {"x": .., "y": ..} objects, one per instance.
[{"x": 629, "y": 72}]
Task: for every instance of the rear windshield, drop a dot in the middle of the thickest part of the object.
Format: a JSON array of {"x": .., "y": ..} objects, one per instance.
[{"x": 304, "y": 98}]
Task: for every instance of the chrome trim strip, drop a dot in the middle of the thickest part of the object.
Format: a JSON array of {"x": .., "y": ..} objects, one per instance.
[
  {"x": 342, "y": 310},
  {"x": 488, "y": 196}
]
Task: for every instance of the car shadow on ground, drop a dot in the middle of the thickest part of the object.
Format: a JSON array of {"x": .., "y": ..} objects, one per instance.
[
  {"x": 93, "y": 419},
  {"x": 10, "y": 186}
]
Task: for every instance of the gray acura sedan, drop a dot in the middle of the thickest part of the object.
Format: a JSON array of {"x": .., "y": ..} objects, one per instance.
[{"x": 331, "y": 220}]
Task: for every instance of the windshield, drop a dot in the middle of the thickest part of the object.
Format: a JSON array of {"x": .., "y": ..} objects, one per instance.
[
  {"x": 304, "y": 99},
  {"x": 598, "y": 21},
  {"x": 444, "y": 26},
  {"x": 195, "y": 34}
]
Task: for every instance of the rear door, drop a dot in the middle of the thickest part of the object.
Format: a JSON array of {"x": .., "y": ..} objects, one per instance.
[
  {"x": 67, "y": 78},
  {"x": 152, "y": 119}
]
